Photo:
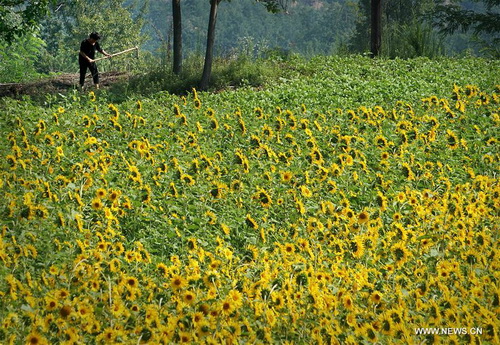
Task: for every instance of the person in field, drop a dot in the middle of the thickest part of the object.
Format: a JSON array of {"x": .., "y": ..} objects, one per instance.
[{"x": 86, "y": 58}]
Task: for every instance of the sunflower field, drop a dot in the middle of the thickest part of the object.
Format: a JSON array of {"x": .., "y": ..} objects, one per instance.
[{"x": 347, "y": 205}]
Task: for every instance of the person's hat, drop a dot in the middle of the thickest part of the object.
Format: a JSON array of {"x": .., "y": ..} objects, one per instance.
[{"x": 95, "y": 35}]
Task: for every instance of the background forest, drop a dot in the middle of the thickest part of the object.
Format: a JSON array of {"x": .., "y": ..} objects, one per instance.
[{"x": 244, "y": 28}]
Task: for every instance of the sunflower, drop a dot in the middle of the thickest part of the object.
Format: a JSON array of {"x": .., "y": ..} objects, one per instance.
[
  {"x": 292, "y": 120},
  {"x": 131, "y": 283},
  {"x": 242, "y": 126},
  {"x": 384, "y": 156},
  {"x": 288, "y": 248},
  {"x": 380, "y": 141},
  {"x": 491, "y": 330},
  {"x": 316, "y": 156},
  {"x": 376, "y": 297},
  {"x": 237, "y": 186},
  {"x": 346, "y": 159},
  {"x": 12, "y": 161},
  {"x": 408, "y": 172},
  {"x": 227, "y": 306},
  {"x": 363, "y": 217},
  {"x": 381, "y": 201},
  {"x": 249, "y": 221},
  {"x": 189, "y": 297},
  {"x": 349, "y": 213},
  {"x": 217, "y": 192},
  {"x": 96, "y": 204},
  {"x": 72, "y": 335},
  {"x": 41, "y": 211},
  {"x": 236, "y": 297},
  {"x": 183, "y": 120},
  {"x": 488, "y": 159},
  {"x": 51, "y": 303},
  {"x": 369, "y": 332},
  {"x": 109, "y": 335},
  {"x": 49, "y": 140},
  {"x": 267, "y": 132},
  {"x": 328, "y": 208},
  {"x": 357, "y": 247},
  {"x": 286, "y": 176},
  {"x": 113, "y": 195},
  {"x": 35, "y": 338},
  {"x": 214, "y": 124},
  {"x": 263, "y": 197},
  {"x": 426, "y": 243},
  {"x": 314, "y": 224},
  {"x": 306, "y": 192},
  {"x": 178, "y": 282},
  {"x": 65, "y": 311},
  {"x": 347, "y": 302},
  {"x": 259, "y": 113},
  {"x": 172, "y": 190},
  {"x": 413, "y": 201},
  {"x": 135, "y": 174},
  {"x": 100, "y": 193},
  {"x": 197, "y": 103},
  {"x": 387, "y": 326},
  {"x": 187, "y": 179},
  {"x": 452, "y": 140},
  {"x": 491, "y": 141},
  {"x": 400, "y": 253},
  {"x": 270, "y": 317}
]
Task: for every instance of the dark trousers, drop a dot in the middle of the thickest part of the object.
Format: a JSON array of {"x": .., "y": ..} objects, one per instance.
[{"x": 93, "y": 70}]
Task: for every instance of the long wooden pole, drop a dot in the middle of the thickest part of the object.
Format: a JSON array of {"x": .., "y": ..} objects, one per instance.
[{"x": 119, "y": 53}]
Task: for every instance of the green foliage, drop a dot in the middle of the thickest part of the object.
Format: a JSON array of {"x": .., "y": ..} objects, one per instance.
[
  {"x": 17, "y": 60},
  {"x": 482, "y": 19},
  {"x": 450, "y": 18},
  {"x": 72, "y": 22},
  {"x": 243, "y": 71},
  {"x": 20, "y": 17},
  {"x": 227, "y": 74},
  {"x": 412, "y": 40}
]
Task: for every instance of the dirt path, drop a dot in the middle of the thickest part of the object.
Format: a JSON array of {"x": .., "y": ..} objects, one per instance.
[{"x": 57, "y": 84}]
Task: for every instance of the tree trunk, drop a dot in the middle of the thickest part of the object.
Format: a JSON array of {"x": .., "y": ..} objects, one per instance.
[
  {"x": 177, "y": 25},
  {"x": 376, "y": 26},
  {"x": 207, "y": 69}
]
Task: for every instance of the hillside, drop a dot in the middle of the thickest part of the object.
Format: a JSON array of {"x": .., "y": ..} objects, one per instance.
[{"x": 310, "y": 27}]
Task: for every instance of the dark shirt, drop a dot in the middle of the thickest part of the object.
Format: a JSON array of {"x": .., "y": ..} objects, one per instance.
[{"x": 88, "y": 49}]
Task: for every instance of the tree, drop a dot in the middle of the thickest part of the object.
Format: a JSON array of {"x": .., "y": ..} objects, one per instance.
[
  {"x": 452, "y": 17},
  {"x": 360, "y": 40},
  {"x": 396, "y": 28},
  {"x": 271, "y": 5},
  {"x": 177, "y": 26},
  {"x": 275, "y": 6},
  {"x": 207, "y": 68},
  {"x": 19, "y": 17},
  {"x": 481, "y": 19},
  {"x": 376, "y": 27}
]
